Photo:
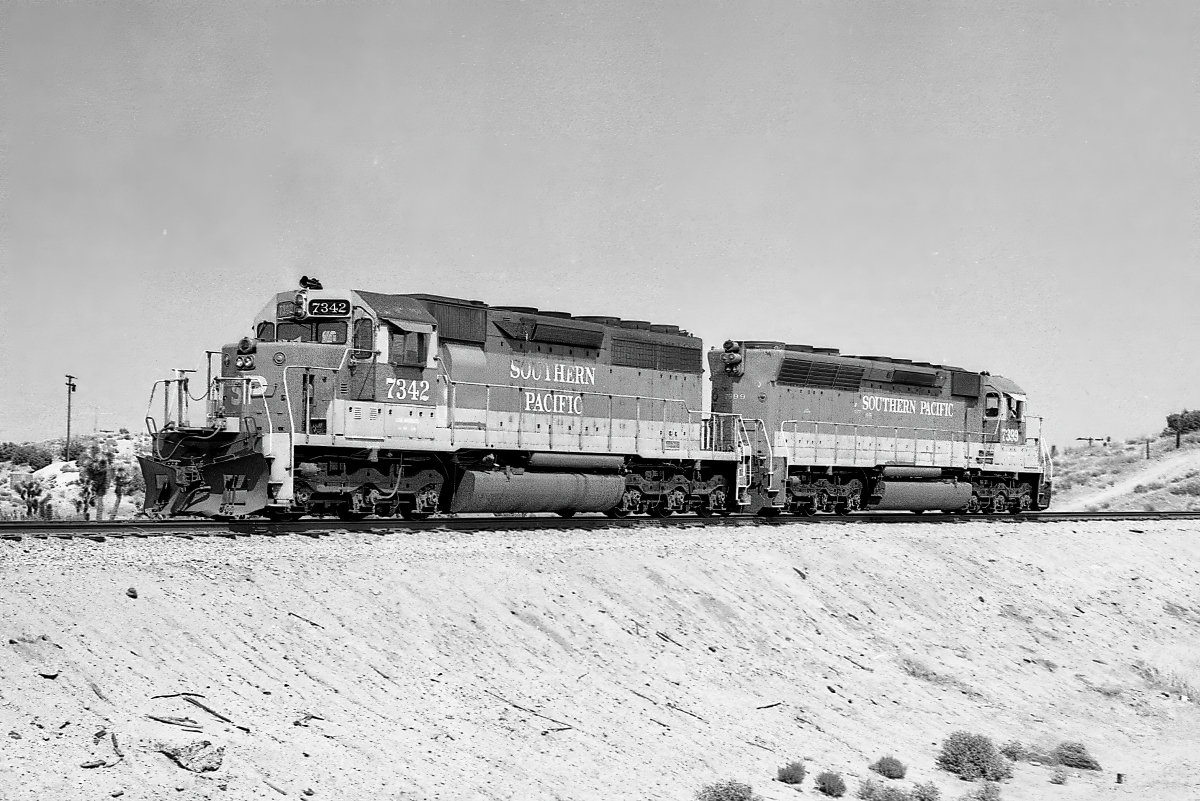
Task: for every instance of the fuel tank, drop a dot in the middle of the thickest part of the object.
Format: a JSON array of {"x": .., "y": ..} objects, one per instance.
[
  {"x": 946, "y": 495},
  {"x": 499, "y": 491},
  {"x": 225, "y": 487}
]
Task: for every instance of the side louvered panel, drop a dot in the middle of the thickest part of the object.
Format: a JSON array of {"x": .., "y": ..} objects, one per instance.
[
  {"x": 819, "y": 375},
  {"x": 794, "y": 372}
]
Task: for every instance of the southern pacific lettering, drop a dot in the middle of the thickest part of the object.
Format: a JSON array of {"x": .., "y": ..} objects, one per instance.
[{"x": 878, "y": 403}]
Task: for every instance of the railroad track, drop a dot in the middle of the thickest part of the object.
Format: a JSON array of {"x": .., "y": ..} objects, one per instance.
[{"x": 182, "y": 527}]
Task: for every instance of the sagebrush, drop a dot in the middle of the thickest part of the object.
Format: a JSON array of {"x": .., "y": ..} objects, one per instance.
[
  {"x": 1075, "y": 755},
  {"x": 727, "y": 791},
  {"x": 926, "y": 792},
  {"x": 889, "y": 767},
  {"x": 792, "y": 773},
  {"x": 831, "y": 784},
  {"x": 973, "y": 756}
]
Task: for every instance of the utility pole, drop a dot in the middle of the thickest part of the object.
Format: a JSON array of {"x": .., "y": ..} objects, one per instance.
[{"x": 70, "y": 389}]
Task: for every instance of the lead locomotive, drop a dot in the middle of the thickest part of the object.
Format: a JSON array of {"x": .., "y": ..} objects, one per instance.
[{"x": 355, "y": 403}]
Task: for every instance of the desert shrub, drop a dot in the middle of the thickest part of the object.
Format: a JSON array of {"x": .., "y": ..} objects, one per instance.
[
  {"x": 831, "y": 784},
  {"x": 891, "y": 792},
  {"x": 1013, "y": 750},
  {"x": 990, "y": 791},
  {"x": 792, "y": 773},
  {"x": 1139, "y": 488},
  {"x": 926, "y": 792},
  {"x": 1059, "y": 776},
  {"x": 869, "y": 790},
  {"x": 727, "y": 791},
  {"x": 973, "y": 756},
  {"x": 889, "y": 767},
  {"x": 1075, "y": 755}
]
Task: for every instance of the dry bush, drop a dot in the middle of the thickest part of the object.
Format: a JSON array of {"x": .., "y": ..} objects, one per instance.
[
  {"x": 1075, "y": 755},
  {"x": 1013, "y": 750},
  {"x": 926, "y": 792},
  {"x": 990, "y": 791},
  {"x": 891, "y": 792},
  {"x": 973, "y": 756},
  {"x": 889, "y": 767},
  {"x": 727, "y": 791},
  {"x": 1059, "y": 776},
  {"x": 869, "y": 790},
  {"x": 831, "y": 784},
  {"x": 792, "y": 773}
]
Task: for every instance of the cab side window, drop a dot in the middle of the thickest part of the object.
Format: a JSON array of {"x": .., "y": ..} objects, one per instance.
[
  {"x": 991, "y": 405},
  {"x": 364, "y": 337},
  {"x": 407, "y": 348},
  {"x": 265, "y": 332}
]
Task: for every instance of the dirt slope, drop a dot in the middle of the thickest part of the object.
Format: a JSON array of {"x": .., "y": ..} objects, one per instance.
[
  {"x": 1129, "y": 485},
  {"x": 595, "y": 665}
]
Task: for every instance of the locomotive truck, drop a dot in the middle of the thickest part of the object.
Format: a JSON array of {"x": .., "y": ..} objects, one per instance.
[{"x": 355, "y": 403}]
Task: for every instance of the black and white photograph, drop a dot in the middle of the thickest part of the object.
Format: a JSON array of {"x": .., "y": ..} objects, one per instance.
[{"x": 543, "y": 400}]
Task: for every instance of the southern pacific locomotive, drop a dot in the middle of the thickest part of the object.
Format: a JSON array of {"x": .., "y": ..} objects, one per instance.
[{"x": 355, "y": 403}]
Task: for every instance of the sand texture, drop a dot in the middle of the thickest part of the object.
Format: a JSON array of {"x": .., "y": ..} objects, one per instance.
[{"x": 601, "y": 665}]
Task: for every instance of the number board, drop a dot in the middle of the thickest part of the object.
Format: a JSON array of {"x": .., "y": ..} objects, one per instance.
[{"x": 328, "y": 308}]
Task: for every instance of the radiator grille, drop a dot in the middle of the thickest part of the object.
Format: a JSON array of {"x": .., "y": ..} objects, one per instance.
[
  {"x": 656, "y": 356},
  {"x": 562, "y": 335},
  {"x": 820, "y": 375}
]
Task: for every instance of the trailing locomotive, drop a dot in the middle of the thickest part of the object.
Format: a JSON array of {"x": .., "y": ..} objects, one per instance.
[
  {"x": 834, "y": 433},
  {"x": 355, "y": 403}
]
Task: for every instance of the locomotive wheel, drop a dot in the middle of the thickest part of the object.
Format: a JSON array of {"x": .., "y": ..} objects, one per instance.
[
  {"x": 806, "y": 510},
  {"x": 1000, "y": 503},
  {"x": 278, "y": 516},
  {"x": 617, "y": 512},
  {"x": 853, "y": 499},
  {"x": 409, "y": 513},
  {"x": 658, "y": 511},
  {"x": 718, "y": 502}
]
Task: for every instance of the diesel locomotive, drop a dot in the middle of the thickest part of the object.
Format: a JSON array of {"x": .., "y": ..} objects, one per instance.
[{"x": 353, "y": 403}]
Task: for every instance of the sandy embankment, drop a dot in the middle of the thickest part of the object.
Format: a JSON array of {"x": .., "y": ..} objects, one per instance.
[{"x": 674, "y": 657}]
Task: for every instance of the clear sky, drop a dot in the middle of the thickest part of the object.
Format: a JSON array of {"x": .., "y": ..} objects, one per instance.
[{"x": 1003, "y": 186}]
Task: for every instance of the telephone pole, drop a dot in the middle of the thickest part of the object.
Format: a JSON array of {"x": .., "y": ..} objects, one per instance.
[{"x": 70, "y": 389}]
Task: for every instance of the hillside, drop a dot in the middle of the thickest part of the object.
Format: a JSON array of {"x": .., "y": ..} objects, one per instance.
[
  {"x": 1118, "y": 476},
  {"x": 596, "y": 665},
  {"x": 60, "y": 479}
]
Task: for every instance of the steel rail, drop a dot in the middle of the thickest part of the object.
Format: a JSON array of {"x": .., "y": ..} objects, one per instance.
[{"x": 189, "y": 528}]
